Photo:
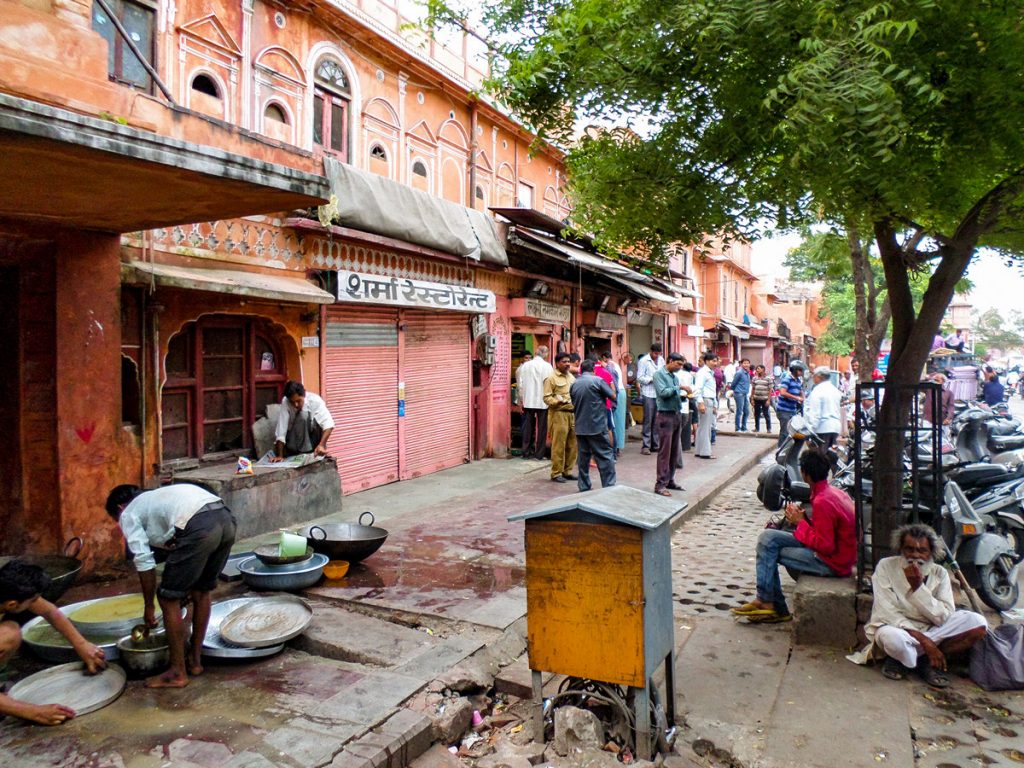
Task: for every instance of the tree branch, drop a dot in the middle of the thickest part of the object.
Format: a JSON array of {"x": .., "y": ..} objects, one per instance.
[{"x": 984, "y": 214}]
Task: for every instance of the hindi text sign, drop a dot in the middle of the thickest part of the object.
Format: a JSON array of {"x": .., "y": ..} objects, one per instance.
[{"x": 361, "y": 288}]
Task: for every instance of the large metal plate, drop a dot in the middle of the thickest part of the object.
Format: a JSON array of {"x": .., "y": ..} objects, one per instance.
[
  {"x": 266, "y": 622},
  {"x": 68, "y": 685},
  {"x": 215, "y": 647},
  {"x": 50, "y": 645},
  {"x": 116, "y": 619}
]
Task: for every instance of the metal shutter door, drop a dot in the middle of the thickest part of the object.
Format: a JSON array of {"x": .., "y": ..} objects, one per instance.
[
  {"x": 437, "y": 372},
  {"x": 361, "y": 383}
]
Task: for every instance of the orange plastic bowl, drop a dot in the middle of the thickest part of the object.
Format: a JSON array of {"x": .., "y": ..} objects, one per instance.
[{"x": 336, "y": 569}]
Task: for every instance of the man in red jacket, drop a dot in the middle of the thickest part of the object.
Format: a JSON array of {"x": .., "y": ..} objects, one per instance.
[{"x": 824, "y": 544}]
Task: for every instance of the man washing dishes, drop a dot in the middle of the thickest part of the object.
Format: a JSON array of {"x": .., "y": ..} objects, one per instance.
[{"x": 304, "y": 424}]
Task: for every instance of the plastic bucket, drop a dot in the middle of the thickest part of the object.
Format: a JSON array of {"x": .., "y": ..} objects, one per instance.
[{"x": 292, "y": 545}]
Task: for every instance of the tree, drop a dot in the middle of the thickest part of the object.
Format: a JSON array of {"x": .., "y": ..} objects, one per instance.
[
  {"x": 899, "y": 121},
  {"x": 993, "y": 330}
]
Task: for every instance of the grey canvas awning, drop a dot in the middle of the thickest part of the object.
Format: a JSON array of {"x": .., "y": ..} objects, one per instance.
[
  {"x": 733, "y": 330},
  {"x": 232, "y": 281},
  {"x": 372, "y": 203}
]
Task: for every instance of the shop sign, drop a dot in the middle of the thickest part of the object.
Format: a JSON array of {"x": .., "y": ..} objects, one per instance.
[
  {"x": 696, "y": 331},
  {"x": 611, "y": 321},
  {"x": 548, "y": 311},
  {"x": 360, "y": 288}
]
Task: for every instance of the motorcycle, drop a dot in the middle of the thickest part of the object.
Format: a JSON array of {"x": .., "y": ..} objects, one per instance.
[{"x": 776, "y": 478}]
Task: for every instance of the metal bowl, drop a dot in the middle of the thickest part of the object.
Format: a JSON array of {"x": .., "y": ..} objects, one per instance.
[
  {"x": 49, "y": 645},
  {"x": 118, "y": 627},
  {"x": 346, "y": 541},
  {"x": 214, "y": 646},
  {"x": 268, "y": 555},
  {"x": 286, "y": 578},
  {"x": 144, "y": 657}
]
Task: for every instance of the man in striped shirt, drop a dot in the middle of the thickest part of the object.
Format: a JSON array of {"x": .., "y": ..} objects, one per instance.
[{"x": 791, "y": 397}]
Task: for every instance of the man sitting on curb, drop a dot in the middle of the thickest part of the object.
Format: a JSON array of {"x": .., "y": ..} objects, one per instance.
[
  {"x": 21, "y": 588},
  {"x": 914, "y": 622},
  {"x": 823, "y": 545}
]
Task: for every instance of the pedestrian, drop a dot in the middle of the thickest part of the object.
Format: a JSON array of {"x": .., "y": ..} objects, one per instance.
[
  {"x": 668, "y": 423},
  {"x": 719, "y": 394},
  {"x": 791, "y": 396},
  {"x": 589, "y": 395},
  {"x": 993, "y": 390},
  {"x": 304, "y": 425},
  {"x": 760, "y": 398},
  {"x": 685, "y": 377},
  {"x": 706, "y": 399},
  {"x": 574, "y": 363},
  {"x": 527, "y": 357},
  {"x": 535, "y": 412},
  {"x": 824, "y": 407},
  {"x": 740, "y": 385},
  {"x": 608, "y": 377},
  {"x": 646, "y": 366},
  {"x": 621, "y": 402},
  {"x": 956, "y": 340},
  {"x": 561, "y": 421},
  {"x": 197, "y": 530}
]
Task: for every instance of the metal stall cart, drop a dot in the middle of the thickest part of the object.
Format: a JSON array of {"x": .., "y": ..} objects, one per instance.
[{"x": 599, "y": 594}]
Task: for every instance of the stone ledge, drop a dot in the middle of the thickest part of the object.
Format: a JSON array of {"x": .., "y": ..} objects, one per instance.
[{"x": 825, "y": 611}]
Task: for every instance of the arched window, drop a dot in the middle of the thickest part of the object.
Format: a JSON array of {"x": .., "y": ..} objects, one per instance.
[
  {"x": 377, "y": 153},
  {"x": 205, "y": 84},
  {"x": 276, "y": 113},
  {"x": 419, "y": 169},
  {"x": 480, "y": 193},
  {"x": 331, "y": 96}
]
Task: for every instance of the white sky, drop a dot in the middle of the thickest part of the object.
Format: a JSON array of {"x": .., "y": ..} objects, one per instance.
[{"x": 995, "y": 284}]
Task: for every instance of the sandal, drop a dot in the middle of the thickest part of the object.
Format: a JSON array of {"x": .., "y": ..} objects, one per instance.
[
  {"x": 893, "y": 669},
  {"x": 750, "y": 609},
  {"x": 934, "y": 677},
  {"x": 771, "y": 618}
]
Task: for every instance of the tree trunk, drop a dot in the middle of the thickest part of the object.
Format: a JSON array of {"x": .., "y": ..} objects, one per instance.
[{"x": 911, "y": 342}]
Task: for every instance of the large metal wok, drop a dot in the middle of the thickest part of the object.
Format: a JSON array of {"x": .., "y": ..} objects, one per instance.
[
  {"x": 345, "y": 541},
  {"x": 62, "y": 569}
]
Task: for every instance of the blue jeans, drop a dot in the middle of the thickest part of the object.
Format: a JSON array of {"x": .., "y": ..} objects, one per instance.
[
  {"x": 775, "y": 548},
  {"x": 742, "y": 412}
]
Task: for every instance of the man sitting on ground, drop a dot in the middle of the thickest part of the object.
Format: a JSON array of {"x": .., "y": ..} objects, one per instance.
[
  {"x": 825, "y": 544},
  {"x": 914, "y": 622},
  {"x": 21, "y": 588}
]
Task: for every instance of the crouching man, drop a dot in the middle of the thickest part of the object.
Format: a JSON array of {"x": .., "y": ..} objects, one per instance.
[
  {"x": 21, "y": 588},
  {"x": 197, "y": 530},
  {"x": 825, "y": 544},
  {"x": 914, "y": 622}
]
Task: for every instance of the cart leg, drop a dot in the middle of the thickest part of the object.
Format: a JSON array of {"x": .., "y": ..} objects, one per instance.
[
  {"x": 642, "y": 711},
  {"x": 538, "y": 706},
  {"x": 670, "y": 687}
]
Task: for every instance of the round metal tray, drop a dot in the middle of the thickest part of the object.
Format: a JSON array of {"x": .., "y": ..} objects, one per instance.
[
  {"x": 50, "y": 645},
  {"x": 68, "y": 685},
  {"x": 215, "y": 647},
  {"x": 270, "y": 621},
  {"x": 120, "y": 627}
]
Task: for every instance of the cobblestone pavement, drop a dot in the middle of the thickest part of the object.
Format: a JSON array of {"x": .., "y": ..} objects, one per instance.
[
  {"x": 713, "y": 570},
  {"x": 713, "y": 552}
]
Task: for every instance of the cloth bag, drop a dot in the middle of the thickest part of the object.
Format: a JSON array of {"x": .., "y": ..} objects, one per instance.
[{"x": 997, "y": 662}]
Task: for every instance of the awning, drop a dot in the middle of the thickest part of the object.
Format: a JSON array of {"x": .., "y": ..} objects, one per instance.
[
  {"x": 231, "y": 281},
  {"x": 733, "y": 330},
  {"x": 622, "y": 275},
  {"x": 372, "y": 203},
  {"x": 66, "y": 169}
]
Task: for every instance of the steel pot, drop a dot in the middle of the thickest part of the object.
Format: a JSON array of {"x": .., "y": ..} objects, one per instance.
[
  {"x": 144, "y": 657},
  {"x": 286, "y": 578},
  {"x": 346, "y": 541},
  {"x": 62, "y": 569}
]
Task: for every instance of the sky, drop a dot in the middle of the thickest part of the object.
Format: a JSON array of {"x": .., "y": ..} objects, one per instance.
[{"x": 995, "y": 284}]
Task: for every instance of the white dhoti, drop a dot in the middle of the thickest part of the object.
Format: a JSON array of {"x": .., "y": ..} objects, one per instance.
[{"x": 898, "y": 644}]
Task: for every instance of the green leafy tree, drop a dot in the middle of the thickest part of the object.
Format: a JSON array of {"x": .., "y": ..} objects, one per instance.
[
  {"x": 897, "y": 121},
  {"x": 994, "y": 330}
]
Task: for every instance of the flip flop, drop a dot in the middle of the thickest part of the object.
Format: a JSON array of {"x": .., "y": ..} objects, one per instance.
[
  {"x": 749, "y": 609},
  {"x": 893, "y": 669},
  {"x": 933, "y": 677},
  {"x": 771, "y": 618}
]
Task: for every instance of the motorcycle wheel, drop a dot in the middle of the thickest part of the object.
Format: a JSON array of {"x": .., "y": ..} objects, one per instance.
[
  {"x": 1014, "y": 537},
  {"x": 994, "y": 586}
]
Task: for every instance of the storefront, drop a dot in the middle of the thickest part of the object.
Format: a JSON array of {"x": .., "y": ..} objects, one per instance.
[{"x": 397, "y": 376}]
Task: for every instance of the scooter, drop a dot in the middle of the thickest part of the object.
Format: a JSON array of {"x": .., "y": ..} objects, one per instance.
[
  {"x": 773, "y": 480},
  {"x": 988, "y": 562}
]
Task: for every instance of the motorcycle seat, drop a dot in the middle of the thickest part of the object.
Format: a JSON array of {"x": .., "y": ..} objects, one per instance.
[
  {"x": 1003, "y": 427},
  {"x": 973, "y": 475},
  {"x": 1005, "y": 442}
]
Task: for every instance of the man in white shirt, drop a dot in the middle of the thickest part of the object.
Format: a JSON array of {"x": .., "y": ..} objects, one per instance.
[
  {"x": 196, "y": 531},
  {"x": 824, "y": 406},
  {"x": 532, "y": 375},
  {"x": 303, "y": 424},
  {"x": 914, "y": 622},
  {"x": 647, "y": 365},
  {"x": 527, "y": 357},
  {"x": 706, "y": 398}
]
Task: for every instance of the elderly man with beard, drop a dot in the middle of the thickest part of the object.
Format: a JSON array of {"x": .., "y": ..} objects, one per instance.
[{"x": 914, "y": 622}]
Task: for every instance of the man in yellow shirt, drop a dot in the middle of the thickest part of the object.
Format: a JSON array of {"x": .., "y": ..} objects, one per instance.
[{"x": 561, "y": 420}]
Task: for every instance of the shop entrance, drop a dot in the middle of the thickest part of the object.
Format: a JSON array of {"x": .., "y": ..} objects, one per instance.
[
  {"x": 523, "y": 341},
  {"x": 10, "y": 409}
]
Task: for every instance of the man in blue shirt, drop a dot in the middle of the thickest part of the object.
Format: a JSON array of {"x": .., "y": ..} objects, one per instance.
[
  {"x": 791, "y": 397},
  {"x": 741, "y": 394},
  {"x": 589, "y": 396},
  {"x": 668, "y": 424}
]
